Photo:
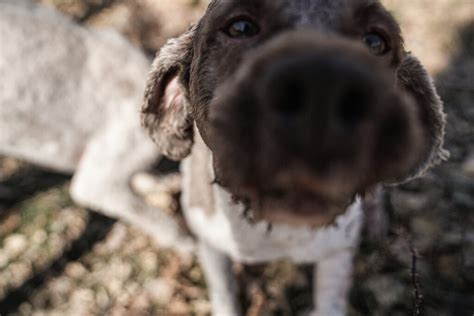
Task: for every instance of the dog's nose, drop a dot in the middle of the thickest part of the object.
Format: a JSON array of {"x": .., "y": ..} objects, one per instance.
[{"x": 322, "y": 88}]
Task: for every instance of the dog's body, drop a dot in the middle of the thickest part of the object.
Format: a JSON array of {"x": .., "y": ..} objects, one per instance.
[
  {"x": 268, "y": 174},
  {"x": 69, "y": 101},
  {"x": 225, "y": 232}
]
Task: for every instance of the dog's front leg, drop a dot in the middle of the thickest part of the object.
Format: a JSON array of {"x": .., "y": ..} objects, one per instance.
[
  {"x": 332, "y": 279},
  {"x": 102, "y": 180},
  {"x": 221, "y": 281}
]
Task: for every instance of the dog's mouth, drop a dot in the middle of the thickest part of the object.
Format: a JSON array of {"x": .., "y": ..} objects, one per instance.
[
  {"x": 296, "y": 195},
  {"x": 298, "y": 207}
]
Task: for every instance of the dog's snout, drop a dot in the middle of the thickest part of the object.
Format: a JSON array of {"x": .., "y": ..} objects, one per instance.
[
  {"x": 355, "y": 102},
  {"x": 311, "y": 86},
  {"x": 314, "y": 109}
]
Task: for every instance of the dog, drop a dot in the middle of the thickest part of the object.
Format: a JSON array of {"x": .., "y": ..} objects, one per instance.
[
  {"x": 70, "y": 101},
  {"x": 287, "y": 116}
]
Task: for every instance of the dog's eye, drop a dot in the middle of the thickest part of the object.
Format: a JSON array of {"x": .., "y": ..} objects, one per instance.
[
  {"x": 241, "y": 29},
  {"x": 376, "y": 43}
]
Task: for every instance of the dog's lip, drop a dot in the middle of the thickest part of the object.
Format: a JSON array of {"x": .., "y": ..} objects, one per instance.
[
  {"x": 294, "y": 204},
  {"x": 301, "y": 207},
  {"x": 298, "y": 200}
]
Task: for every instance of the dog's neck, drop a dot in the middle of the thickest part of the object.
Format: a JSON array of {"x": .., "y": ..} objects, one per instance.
[{"x": 200, "y": 175}]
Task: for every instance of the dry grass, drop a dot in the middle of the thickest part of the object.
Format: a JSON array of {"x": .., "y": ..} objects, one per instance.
[{"x": 430, "y": 27}]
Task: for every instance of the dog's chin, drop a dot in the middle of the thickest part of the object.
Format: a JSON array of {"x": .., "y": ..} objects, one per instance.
[{"x": 299, "y": 208}]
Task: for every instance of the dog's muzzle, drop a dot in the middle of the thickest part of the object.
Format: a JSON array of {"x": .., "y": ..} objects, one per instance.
[{"x": 307, "y": 123}]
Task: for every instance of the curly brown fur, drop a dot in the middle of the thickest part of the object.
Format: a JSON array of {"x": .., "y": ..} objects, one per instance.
[{"x": 170, "y": 125}]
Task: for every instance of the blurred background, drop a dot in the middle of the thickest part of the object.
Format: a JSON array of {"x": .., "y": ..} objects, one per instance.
[{"x": 59, "y": 259}]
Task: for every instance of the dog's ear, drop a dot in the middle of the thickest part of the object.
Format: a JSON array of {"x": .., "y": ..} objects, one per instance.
[
  {"x": 416, "y": 81},
  {"x": 165, "y": 111}
]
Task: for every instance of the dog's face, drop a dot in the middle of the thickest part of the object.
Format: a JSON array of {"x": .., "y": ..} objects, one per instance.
[{"x": 303, "y": 103}]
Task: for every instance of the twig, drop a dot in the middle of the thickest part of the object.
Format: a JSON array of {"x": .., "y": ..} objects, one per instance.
[{"x": 414, "y": 280}]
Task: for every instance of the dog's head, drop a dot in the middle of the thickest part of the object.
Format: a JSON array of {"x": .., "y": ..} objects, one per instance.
[{"x": 303, "y": 103}]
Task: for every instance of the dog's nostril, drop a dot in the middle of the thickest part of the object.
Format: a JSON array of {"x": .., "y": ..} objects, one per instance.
[
  {"x": 289, "y": 99},
  {"x": 353, "y": 108},
  {"x": 332, "y": 90},
  {"x": 286, "y": 88}
]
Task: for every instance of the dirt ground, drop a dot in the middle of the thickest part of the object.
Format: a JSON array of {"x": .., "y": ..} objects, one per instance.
[{"x": 59, "y": 259}]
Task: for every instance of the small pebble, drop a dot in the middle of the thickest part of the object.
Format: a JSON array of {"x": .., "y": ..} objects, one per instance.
[
  {"x": 160, "y": 291},
  {"x": 468, "y": 167},
  {"x": 14, "y": 245}
]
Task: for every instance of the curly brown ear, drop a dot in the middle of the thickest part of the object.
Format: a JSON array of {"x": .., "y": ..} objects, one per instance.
[
  {"x": 416, "y": 81},
  {"x": 165, "y": 111}
]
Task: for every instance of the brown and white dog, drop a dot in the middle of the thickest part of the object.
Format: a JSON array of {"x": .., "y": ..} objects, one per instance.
[{"x": 287, "y": 113}]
